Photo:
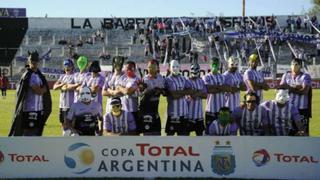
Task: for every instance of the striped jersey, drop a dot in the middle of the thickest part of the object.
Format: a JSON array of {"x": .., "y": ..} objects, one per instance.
[
  {"x": 129, "y": 102},
  {"x": 232, "y": 100},
  {"x": 195, "y": 105},
  {"x": 123, "y": 124},
  {"x": 33, "y": 101},
  {"x": 96, "y": 81},
  {"x": 176, "y": 107},
  {"x": 256, "y": 77},
  {"x": 214, "y": 101},
  {"x": 66, "y": 97},
  {"x": 149, "y": 103},
  {"x": 215, "y": 129},
  {"x": 80, "y": 78},
  {"x": 280, "y": 118},
  {"x": 250, "y": 122},
  {"x": 111, "y": 82},
  {"x": 300, "y": 101}
]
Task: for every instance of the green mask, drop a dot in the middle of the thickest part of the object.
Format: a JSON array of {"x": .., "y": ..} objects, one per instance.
[
  {"x": 224, "y": 118},
  {"x": 82, "y": 63},
  {"x": 214, "y": 68}
]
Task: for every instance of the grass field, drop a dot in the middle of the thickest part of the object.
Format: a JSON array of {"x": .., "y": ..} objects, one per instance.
[{"x": 53, "y": 125}]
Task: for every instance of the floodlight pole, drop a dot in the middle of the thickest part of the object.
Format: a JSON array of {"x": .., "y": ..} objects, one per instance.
[{"x": 243, "y": 8}]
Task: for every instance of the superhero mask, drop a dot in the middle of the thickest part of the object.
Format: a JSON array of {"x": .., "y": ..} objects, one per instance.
[
  {"x": 282, "y": 96},
  {"x": 116, "y": 106},
  {"x": 68, "y": 64},
  {"x": 152, "y": 67},
  {"x": 130, "y": 70},
  {"x": 224, "y": 118},
  {"x": 85, "y": 95},
  {"x": 195, "y": 70},
  {"x": 95, "y": 67},
  {"x": 175, "y": 67},
  {"x": 117, "y": 63},
  {"x": 82, "y": 63},
  {"x": 232, "y": 64}
]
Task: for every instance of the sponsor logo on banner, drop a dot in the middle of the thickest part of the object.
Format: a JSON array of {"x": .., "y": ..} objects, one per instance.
[
  {"x": 260, "y": 157},
  {"x": 223, "y": 159},
  {"x": 79, "y": 158},
  {"x": 1, "y": 157}
]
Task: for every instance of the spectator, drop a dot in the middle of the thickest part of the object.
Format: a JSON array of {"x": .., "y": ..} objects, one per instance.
[
  {"x": 4, "y": 84},
  {"x": 33, "y": 105}
]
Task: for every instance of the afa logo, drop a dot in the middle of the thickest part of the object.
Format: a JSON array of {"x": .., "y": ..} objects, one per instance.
[
  {"x": 79, "y": 158},
  {"x": 1, "y": 157},
  {"x": 223, "y": 161},
  {"x": 260, "y": 157}
]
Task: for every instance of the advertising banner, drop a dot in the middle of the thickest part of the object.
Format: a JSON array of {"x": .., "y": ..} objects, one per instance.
[{"x": 216, "y": 157}]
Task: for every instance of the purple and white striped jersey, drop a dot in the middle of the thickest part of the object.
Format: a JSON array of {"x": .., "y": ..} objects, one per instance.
[
  {"x": 195, "y": 105},
  {"x": 80, "y": 110},
  {"x": 256, "y": 77},
  {"x": 111, "y": 82},
  {"x": 280, "y": 119},
  {"x": 176, "y": 107},
  {"x": 153, "y": 83},
  {"x": 129, "y": 102},
  {"x": 66, "y": 97},
  {"x": 214, "y": 101},
  {"x": 232, "y": 100},
  {"x": 250, "y": 122},
  {"x": 96, "y": 81},
  {"x": 215, "y": 129},
  {"x": 299, "y": 100},
  {"x": 123, "y": 124},
  {"x": 33, "y": 102},
  {"x": 80, "y": 78}
]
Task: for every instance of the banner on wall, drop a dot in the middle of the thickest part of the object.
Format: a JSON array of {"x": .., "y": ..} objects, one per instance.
[{"x": 217, "y": 157}]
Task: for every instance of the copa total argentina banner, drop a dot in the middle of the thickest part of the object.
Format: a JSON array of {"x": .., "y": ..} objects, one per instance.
[{"x": 218, "y": 157}]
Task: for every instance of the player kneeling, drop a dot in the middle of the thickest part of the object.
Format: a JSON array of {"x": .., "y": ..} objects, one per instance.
[{"x": 84, "y": 115}]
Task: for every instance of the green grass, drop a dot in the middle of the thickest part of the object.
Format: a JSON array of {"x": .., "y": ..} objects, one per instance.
[{"x": 53, "y": 126}]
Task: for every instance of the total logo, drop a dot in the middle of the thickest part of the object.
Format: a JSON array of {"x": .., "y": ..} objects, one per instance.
[
  {"x": 79, "y": 158},
  {"x": 262, "y": 157},
  {"x": 23, "y": 158}
]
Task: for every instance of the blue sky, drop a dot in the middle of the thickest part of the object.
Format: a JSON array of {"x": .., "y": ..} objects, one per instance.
[{"x": 159, "y": 8}]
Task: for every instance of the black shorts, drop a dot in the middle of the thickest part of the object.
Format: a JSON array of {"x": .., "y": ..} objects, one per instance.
[
  {"x": 196, "y": 125},
  {"x": 150, "y": 123},
  {"x": 33, "y": 119},
  {"x": 63, "y": 114},
  {"x": 177, "y": 125}
]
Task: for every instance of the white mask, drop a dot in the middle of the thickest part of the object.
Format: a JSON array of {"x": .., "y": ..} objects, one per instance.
[
  {"x": 232, "y": 62},
  {"x": 85, "y": 95},
  {"x": 282, "y": 96},
  {"x": 175, "y": 67}
]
